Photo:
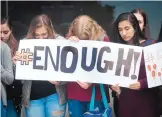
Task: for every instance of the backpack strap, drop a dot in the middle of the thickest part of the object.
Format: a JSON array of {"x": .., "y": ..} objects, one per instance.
[{"x": 103, "y": 94}]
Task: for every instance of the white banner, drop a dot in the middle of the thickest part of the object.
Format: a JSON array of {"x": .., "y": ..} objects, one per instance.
[
  {"x": 87, "y": 61},
  {"x": 153, "y": 64}
]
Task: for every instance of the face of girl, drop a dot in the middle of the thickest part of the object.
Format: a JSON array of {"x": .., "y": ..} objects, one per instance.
[
  {"x": 126, "y": 30},
  {"x": 140, "y": 20},
  {"x": 5, "y": 32},
  {"x": 41, "y": 33}
]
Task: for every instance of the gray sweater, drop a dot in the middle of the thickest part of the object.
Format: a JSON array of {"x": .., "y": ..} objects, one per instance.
[{"x": 7, "y": 76}]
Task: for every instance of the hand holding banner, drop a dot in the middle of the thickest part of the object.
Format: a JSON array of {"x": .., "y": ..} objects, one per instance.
[{"x": 86, "y": 61}]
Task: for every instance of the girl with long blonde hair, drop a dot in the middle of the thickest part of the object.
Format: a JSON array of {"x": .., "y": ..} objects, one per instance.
[{"x": 79, "y": 93}]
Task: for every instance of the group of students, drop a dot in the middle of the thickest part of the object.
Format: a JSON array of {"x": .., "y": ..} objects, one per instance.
[{"x": 50, "y": 98}]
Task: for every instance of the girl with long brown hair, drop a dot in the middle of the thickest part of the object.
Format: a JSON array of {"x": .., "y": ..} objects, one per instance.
[
  {"x": 42, "y": 98},
  {"x": 13, "y": 90}
]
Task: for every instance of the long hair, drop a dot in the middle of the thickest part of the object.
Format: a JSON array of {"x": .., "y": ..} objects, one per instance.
[
  {"x": 41, "y": 21},
  {"x": 132, "y": 19},
  {"x": 85, "y": 28},
  {"x": 160, "y": 35},
  {"x": 12, "y": 42},
  {"x": 146, "y": 29}
]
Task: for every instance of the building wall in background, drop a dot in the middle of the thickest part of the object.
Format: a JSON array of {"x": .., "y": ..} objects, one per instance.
[{"x": 152, "y": 8}]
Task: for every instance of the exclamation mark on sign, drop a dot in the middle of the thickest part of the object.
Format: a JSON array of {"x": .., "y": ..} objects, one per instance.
[{"x": 136, "y": 56}]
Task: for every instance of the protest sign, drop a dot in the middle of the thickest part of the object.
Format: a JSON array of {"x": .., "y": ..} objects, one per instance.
[{"x": 87, "y": 61}]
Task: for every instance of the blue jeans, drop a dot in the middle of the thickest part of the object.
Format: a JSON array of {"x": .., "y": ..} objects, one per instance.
[
  {"x": 46, "y": 107},
  {"x": 11, "y": 112},
  {"x": 78, "y": 108},
  {"x": 3, "y": 110},
  {"x": 8, "y": 111}
]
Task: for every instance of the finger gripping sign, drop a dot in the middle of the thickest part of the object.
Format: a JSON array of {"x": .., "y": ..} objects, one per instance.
[{"x": 87, "y": 61}]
